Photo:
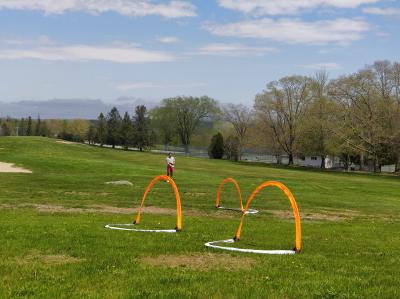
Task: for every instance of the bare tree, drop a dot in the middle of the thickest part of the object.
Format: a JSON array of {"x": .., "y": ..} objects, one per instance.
[
  {"x": 315, "y": 136},
  {"x": 365, "y": 114},
  {"x": 240, "y": 117},
  {"x": 283, "y": 106},
  {"x": 382, "y": 71},
  {"x": 396, "y": 82}
]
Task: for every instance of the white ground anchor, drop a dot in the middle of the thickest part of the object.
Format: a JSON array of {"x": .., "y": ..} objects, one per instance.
[
  {"x": 230, "y": 241},
  {"x": 129, "y": 227},
  {"x": 249, "y": 211}
]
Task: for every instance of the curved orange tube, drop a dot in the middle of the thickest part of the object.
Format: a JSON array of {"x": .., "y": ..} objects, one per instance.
[
  {"x": 220, "y": 189},
  {"x": 177, "y": 197},
  {"x": 292, "y": 202}
]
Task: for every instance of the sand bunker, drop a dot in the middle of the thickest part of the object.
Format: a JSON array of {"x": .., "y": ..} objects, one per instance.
[
  {"x": 65, "y": 142},
  {"x": 10, "y": 167},
  {"x": 126, "y": 183}
]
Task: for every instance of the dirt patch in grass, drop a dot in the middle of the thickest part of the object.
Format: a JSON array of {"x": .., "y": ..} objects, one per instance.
[
  {"x": 48, "y": 208},
  {"x": 201, "y": 262},
  {"x": 326, "y": 215},
  {"x": 323, "y": 215},
  {"x": 48, "y": 259},
  {"x": 10, "y": 167},
  {"x": 103, "y": 209}
]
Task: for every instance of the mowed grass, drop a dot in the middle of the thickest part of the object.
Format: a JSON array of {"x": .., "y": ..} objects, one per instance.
[{"x": 53, "y": 243}]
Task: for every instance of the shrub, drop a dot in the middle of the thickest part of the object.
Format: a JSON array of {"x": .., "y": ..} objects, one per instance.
[{"x": 216, "y": 148}]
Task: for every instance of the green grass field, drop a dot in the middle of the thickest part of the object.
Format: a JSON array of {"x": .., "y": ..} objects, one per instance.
[{"x": 53, "y": 243}]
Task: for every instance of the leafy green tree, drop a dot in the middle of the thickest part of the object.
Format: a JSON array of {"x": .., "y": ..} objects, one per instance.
[
  {"x": 91, "y": 134},
  {"x": 216, "y": 148},
  {"x": 44, "y": 131},
  {"x": 188, "y": 113},
  {"x": 101, "y": 130},
  {"x": 126, "y": 131},
  {"x": 153, "y": 138},
  {"x": 22, "y": 127},
  {"x": 5, "y": 128},
  {"x": 141, "y": 125},
  {"x": 164, "y": 122},
  {"x": 113, "y": 127}
]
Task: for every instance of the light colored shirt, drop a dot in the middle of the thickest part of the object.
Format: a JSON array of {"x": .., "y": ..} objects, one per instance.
[{"x": 171, "y": 161}]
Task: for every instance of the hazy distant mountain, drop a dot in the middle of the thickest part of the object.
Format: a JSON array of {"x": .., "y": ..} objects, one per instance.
[{"x": 70, "y": 108}]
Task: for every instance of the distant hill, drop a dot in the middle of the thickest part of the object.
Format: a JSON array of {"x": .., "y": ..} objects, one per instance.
[{"x": 70, "y": 108}]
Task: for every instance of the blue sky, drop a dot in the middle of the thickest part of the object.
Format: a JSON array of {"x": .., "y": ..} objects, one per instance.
[{"x": 226, "y": 49}]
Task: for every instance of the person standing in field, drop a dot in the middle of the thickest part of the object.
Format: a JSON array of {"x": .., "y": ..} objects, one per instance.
[{"x": 170, "y": 165}]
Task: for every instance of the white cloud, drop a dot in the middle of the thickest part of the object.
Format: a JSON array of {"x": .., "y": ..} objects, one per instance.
[
  {"x": 135, "y": 8},
  {"x": 342, "y": 31},
  {"x": 287, "y": 7},
  {"x": 322, "y": 66},
  {"x": 168, "y": 39},
  {"x": 388, "y": 11},
  {"x": 151, "y": 85},
  {"x": 41, "y": 40},
  {"x": 87, "y": 53},
  {"x": 221, "y": 49}
]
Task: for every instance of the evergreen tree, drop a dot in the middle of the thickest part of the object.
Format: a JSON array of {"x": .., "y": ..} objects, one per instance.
[
  {"x": 29, "y": 129},
  {"x": 141, "y": 125},
  {"x": 126, "y": 131},
  {"x": 38, "y": 127},
  {"x": 101, "y": 130},
  {"x": 216, "y": 148},
  {"x": 113, "y": 127}
]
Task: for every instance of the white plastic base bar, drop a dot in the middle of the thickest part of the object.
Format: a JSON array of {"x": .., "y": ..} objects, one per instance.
[
  {"x": 230, "y": 241},
  {"x": 249, "y": 211},
  {"x": 129, "y": 225}
]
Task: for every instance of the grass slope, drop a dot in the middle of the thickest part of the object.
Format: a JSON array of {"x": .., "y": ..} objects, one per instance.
[{"x": 350, "y": 229}]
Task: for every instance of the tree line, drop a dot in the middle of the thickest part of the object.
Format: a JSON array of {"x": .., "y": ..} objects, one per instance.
[
  {"x": 125, "y": 131},
  {"x": 355, "y": 117},
  {"x": 23, "y": 127}
]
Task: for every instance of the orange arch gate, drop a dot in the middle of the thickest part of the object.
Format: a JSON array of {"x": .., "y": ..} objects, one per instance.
[
  {"x": 177, "y": 198},
  {"x": 293, "y": 203}
]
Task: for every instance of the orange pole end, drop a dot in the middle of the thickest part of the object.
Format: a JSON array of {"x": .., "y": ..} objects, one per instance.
[
  {"x": 224, "y": 181},
  {"x": 293, "y": 203},
  {"x": 177, "y": 198},
  {"x": 238, "y": 231}
]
